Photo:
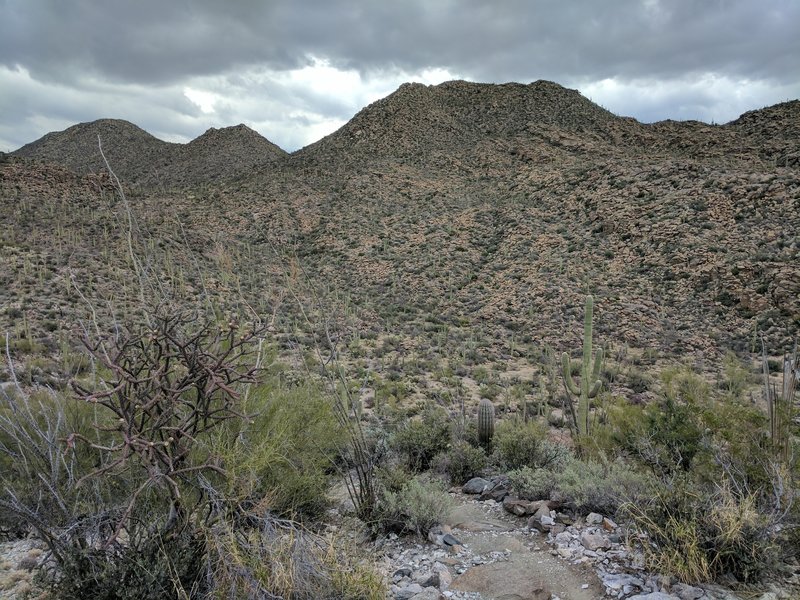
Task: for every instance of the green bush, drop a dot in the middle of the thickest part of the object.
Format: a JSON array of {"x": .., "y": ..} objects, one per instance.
[
  {"x": 518, "y": 445},
  {"x": 699, "y": 536},
  {"x": 461, "y": 462},
  {"x": 533, "y": 484},
  {"x": 590, "y": 486},
  {"x": 286, "y": 451},
  {"x": 419, "y": 505},
  {"x": 419, "y": 440},
  {"x": 680, "y": 383},
  {"x": 151, "y": 570},
  {"x": 663, "y": 436}
]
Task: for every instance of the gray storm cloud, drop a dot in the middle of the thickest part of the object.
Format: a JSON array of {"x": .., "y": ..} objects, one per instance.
[
  {"x": 151, "y": 49},
  {"x": 155, "y": 42}
]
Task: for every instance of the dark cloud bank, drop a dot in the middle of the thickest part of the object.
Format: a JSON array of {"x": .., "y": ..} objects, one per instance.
[{"x": 80, "y": 60}]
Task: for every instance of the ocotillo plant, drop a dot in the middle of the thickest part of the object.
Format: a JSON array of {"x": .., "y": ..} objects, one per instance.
[
  {"x": 590, "y": 383},
  {"x": 485, "y": 423}
]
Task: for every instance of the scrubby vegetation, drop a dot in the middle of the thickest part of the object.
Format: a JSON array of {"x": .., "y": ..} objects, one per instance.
[{"x": 194, "y": 378}]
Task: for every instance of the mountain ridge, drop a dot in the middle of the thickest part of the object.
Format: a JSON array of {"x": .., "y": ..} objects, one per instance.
[
  {"x": 456, "y": 207},
  {"x": 414, "y": 121}
]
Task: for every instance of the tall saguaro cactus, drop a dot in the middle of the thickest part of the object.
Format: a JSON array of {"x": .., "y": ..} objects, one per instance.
[{"x": 590, "y": 382}]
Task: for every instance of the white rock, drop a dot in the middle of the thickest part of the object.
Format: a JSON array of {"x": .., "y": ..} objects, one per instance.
[{"x": 594, "y": 519}]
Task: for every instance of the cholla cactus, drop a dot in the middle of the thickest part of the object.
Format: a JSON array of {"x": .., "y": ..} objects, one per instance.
[{"x": 590, "y": 374}]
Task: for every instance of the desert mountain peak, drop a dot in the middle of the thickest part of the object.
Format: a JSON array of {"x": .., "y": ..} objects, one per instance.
[{"x": 138, "y": 157}]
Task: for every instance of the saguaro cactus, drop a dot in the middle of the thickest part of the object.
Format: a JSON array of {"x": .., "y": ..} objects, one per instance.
[
  {"x": 590, "y": 374},
  {"x": 485, "y": 423}
]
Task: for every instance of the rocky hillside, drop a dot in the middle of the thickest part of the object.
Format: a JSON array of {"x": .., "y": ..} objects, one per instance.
[
  {"x": 141, "y": 159},
  {"x": 463, "y": 221},
  {"x": 131, "y": 151}
]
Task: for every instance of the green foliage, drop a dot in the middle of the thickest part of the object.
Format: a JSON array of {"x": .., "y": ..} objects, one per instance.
[
  {"x": 736, "y": 377},
  {"x": 700, "y": 536},
  {"x": 285, "y": 451},
  {"x": 461, "y": 462},
  {"x": 588, "y": 486},
  {"x": 591, "y": 486},
  {"x": 419, "y": 440},
  {"x": 665, "y": 436},
  {"x": 34, "y": 456},
  {"x": 151, "y": 570},
  {"x": 680, "y": 383},
  {"x": 519, "y": 444},
  {"x": 419, "y": 505},
  {"x": 675, "y": 434},
  {"x": 533, "y": 483}
]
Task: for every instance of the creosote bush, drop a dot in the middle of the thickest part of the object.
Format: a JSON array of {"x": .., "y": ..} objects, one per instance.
[
  {"x": 420, "y": 440},
  {"x": 586, "y": 485},
  {"x": 518, "y": 444},
  {"x": 416, "y": 507},
  {"x": 461, "y": 462}
]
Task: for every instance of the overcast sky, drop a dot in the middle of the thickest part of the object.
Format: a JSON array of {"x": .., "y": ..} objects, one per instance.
[{"x": 296, "y": 70}]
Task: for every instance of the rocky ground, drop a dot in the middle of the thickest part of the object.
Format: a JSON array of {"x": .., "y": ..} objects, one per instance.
[
  {"x": 517, "y": 550},
  {"x": 18, "y": 559},
  {"x": 490, "y": 550}
]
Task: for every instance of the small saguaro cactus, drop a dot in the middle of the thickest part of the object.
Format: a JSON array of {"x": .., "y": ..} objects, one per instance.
[
  {"x": 485, "y": 423},
  {"x": 590, "y": 374}
]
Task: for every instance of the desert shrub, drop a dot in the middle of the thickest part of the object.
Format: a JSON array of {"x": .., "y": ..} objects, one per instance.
[
  {"x": 518, "y": 445},
  {"x": 680, "y": 383},
  {"x": 736, "y": 377},
  {"x": 46, "y": 489},
  {"x": 465, "y": 429},
  {"x": 639, "y": 381},
  {"x": 392, "y": 475},
  {"x": 533, "y": 484},
  {"x": 285, "y": 451},
  {"x": 149, "y": 569},
  {"x": 664, "y": 436},
  {"x": 279, "y": 559},
  {"x": 699, "y": 536},
  {"x": 460, "y": 462},
  {"x": 735, "y": 441},
  {"x": 591, "y": 486},
  {"x": 419, "y": 440},
  {"x": 33, "y": 427},
  {"x": 419, "y": 505}
]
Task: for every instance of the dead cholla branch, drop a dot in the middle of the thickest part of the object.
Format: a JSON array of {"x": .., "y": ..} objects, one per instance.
[{"x": 166, "y": 386}]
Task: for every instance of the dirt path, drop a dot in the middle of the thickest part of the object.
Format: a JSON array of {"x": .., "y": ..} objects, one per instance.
[{"x": 518, "y": 563}]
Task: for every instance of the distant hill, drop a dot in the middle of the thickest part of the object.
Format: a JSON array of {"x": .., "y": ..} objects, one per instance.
[
  {"x": 460, "y": 218},
  {"x": 139, "y": 158},
  {"x": 132, "y": 152},
  {"x": 455, "y": 117}
]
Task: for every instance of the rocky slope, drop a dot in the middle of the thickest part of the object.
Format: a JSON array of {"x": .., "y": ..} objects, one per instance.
[
  {"x": 468, "y": 220},
  {"x": 139, "y": 158}
]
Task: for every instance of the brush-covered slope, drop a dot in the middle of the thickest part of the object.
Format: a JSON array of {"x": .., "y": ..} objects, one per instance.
[
  {"x": 468, "y": 219},
  {"x": 139, "y": 158},
  {"x": 133, "y": 153},
  {"x": 419, "y": 122}
]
